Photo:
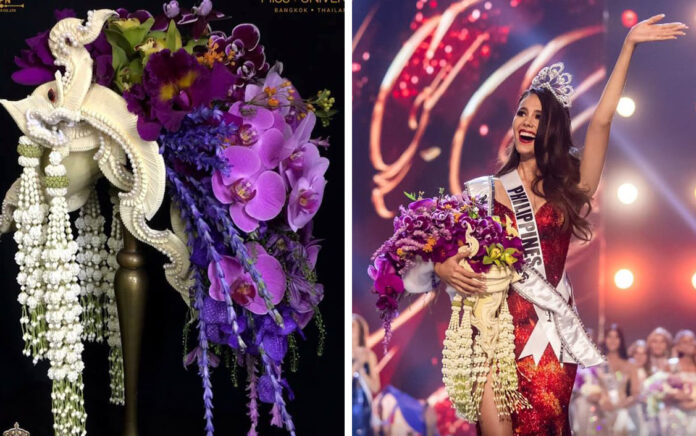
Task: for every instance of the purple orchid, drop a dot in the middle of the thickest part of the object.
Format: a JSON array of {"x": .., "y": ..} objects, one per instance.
[
  {"x": 242, "y": 287},
  {"x": 200, "y": 16},
  {"x": 141, "y": 15},
  {"x": 304, "y": 201},
  {"x": 241, "y": 50},
  {"x": 273, "y": 338},
  {"x": 260, "y": 132},
  {"x": 305, "y": 158},
  {"x": 217, "y": 326},
  {"x": 254, "y": 193},
  {"x": 275, "y": 92},
  {"x": 172, "y": 11},
  {"x": 174, "y": 84}
]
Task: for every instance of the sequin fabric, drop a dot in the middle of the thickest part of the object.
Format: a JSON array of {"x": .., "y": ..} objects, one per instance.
[{"x": 548, "y": 385}]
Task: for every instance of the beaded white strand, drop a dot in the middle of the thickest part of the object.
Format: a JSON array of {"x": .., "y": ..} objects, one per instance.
[
  {"x": 30, "y": 219},
  {"x": 114, "y": 245},
  {"x": 91, "y": 257},
  {"x": 63, "y": 307}
]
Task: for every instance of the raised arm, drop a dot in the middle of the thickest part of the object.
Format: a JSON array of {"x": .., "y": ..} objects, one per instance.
[{"x": 597, "y": 138}]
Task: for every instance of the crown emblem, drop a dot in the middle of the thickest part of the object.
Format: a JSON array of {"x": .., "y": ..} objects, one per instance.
[
  {"x": 555, "y": 80},
  {"x": 15, "y": 431}
]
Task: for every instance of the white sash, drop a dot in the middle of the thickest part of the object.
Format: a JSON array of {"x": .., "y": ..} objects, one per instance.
[{"x": 558, "y": 323}]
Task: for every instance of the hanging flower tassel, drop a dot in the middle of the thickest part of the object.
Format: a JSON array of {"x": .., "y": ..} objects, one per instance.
[
  {"x": 279, "y": 411},
  {"x": 253, "y": 395},
  {"x": 63, "y": 308},
  {"x": 508, "y": 398},
  {"x": 30, "y": 219},
  {"x": 114, "y": 245},
  {"x": 91, "y": 257}
]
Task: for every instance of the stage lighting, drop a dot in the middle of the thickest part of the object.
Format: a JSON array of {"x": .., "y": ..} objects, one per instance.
[
  {"x": 483, "y": 130},
  {"x": 626, "y": 107},
  {"x": 623, "y": 279},
  {"x": 627, "y": 193},
  {"x": 629, "y": 18},
  {"x": 693, "y": 280}
]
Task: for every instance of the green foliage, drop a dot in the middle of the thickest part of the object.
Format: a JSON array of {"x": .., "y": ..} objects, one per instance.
[{"x": 132, "y": 44}]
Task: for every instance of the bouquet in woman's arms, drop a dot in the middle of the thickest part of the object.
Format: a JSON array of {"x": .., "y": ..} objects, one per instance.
[{"x": 431, "y": 230}]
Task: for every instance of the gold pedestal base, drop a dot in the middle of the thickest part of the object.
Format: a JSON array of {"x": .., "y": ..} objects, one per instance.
[{"x": 130, "y": 286}]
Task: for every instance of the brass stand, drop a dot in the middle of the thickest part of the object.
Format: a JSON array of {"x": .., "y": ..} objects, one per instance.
[{"x": 130, "y": 286}]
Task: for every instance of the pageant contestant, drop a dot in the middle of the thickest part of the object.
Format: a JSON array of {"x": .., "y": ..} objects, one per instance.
[
  {"x": 679, "y": 418},
  {"x": 638, "y": 353},
  {"x": 620, "y": 386},
  {"x": 659, "y": 350},
  {"x": 544, "y": 176}
]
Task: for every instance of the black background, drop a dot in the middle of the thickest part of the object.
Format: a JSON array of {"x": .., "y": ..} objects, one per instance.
[{"x": 170, "y": 397}]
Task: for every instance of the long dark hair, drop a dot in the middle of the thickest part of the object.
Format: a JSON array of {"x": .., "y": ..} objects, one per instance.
[
  {"x": 622, "y": 342},
  {"x": 559, "y": 165},
  {"x": 362, "y": 329}
]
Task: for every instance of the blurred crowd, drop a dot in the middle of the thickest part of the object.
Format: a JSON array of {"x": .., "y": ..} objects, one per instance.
[{"x": 645, "y": 389}]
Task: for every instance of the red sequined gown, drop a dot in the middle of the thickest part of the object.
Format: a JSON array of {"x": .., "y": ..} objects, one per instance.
[{"x": 547, "y": 386}]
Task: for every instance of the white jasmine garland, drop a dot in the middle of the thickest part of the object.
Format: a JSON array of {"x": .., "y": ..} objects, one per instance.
[
  {"x": 63, "y": 309},
  {"x": 30, "y": 217},
  {"x": 108, "y": 270},
  {"x": 90, "y": 225}
]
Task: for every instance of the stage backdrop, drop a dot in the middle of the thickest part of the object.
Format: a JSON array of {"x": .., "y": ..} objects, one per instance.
[
  {"x": 436, "y": 84},
  {"x": 310, "y": 44}
]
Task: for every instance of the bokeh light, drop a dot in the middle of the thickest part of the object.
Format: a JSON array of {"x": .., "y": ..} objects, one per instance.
[
  {"x": 626, "y": 107},
  {"x": 623, "y": 278},
  {"x": 693, "y": 280},
  {"x": 627, "y": 193},
  {"x": 629, "y": 18}
]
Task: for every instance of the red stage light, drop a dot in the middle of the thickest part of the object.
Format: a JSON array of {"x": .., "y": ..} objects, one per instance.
[
  {"x": 629, "y": 18},
  {"x": 483, "y": 130},
  {"x": 514, "y": 3},
  {"x": 356, "y": 67}
]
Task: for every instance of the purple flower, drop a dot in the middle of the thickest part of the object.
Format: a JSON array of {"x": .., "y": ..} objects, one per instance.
[
  {"x": 36, "y": 63},
  {"x": 387, "y": 303},
  {"x": 382, "y": 266},
  {"x": 241, "y": 51},
  {"x": 304, "y": 201},
  {"x": 196, "y": 355},
  {"x": 423, "y": 204},
  {"x": 242, "y": 287},
  {"x": 305, "y": 159},
  {"x": 174, "y": 84},
  {"x": 141, "y": 15},
  {"x": 389, "y": 284},
  {"x": 200, "y": 16},
  {"x": 259, "y": 131},
  {"x": 171, "y": 9},
  {"x": 253, "y": 193},
  {"x": 267, "y": 392},
  {"x": 100, "y": 51},
  {"x": 275, "y": 92}
]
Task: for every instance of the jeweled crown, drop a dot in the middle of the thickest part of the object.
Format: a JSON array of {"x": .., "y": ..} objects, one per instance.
[{"x": 555, "y": 80}]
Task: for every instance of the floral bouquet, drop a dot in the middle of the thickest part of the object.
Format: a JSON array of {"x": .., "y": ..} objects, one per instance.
[
  {"x": 246, "y": 178},
  {"x": 660, "y": 385},
  {"x": 432, "y": 230}
]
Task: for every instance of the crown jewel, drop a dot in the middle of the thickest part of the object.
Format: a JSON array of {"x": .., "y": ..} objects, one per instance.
[{"x": 555, "y": 80}]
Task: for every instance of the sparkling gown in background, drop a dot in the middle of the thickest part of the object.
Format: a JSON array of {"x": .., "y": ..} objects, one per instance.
[
  {"x": 361, "y": 407},
  {"x": 547, "y": 386}
]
